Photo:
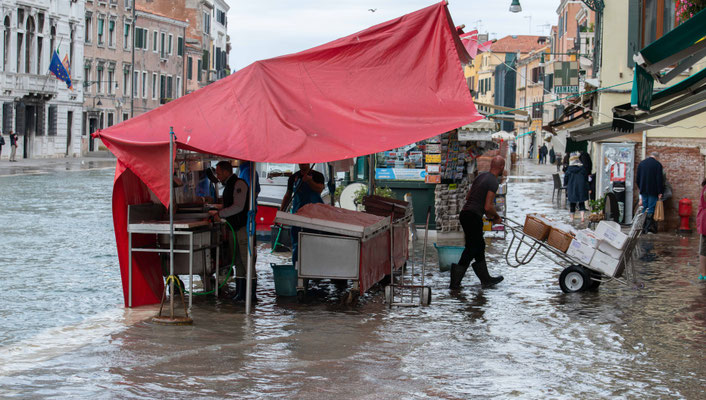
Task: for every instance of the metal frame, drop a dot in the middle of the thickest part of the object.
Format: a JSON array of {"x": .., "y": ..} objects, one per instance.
[{"x": 535, "y": 246}]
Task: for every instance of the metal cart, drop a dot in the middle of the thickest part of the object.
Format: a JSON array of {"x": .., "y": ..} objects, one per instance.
[{"x": 577, "y": 276}]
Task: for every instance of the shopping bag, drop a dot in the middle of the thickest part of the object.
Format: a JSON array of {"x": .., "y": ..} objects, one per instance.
[{"x": 659, "y": 211}]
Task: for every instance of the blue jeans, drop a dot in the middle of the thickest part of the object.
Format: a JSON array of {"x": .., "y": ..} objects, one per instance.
[{"x": 649, "y": 202}]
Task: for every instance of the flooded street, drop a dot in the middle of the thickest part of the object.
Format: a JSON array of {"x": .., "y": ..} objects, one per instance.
[{"x": 64, "y": 332}]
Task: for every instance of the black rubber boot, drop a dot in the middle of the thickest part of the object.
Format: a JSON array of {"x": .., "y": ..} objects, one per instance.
[
  {"x": 647, "y": 227},
  {"x": 457, "y": 273},
  {"x": 481, "y": 270},
  {"x": 239, "y": 290}
]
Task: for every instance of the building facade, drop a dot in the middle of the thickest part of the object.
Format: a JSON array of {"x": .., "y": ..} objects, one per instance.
[
  {"x": 107, "y": 66},
  {"x": 41, "y": 109},
  {"x": 159, "y": 60}
]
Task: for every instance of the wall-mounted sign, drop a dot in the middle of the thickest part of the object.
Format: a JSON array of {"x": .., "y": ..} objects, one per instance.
[
  {"x": 478, "y": 136},
  {"x": 400, "y": 174},
  {"x": 433, "y": 158}
]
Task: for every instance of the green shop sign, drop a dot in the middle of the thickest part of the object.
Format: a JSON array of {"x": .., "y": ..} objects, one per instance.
[{"x": 642, "y": 86}]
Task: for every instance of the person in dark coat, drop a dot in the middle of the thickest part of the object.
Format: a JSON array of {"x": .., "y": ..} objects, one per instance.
[
  {"x": 552, "y": 156},
  {"x": 649, "y": 180},
  {"x": 576, "y": 186},
  {"x": 543, "y": 154}
]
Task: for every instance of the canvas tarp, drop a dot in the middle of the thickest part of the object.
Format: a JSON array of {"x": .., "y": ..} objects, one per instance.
[{"x": 390, "y": 85}]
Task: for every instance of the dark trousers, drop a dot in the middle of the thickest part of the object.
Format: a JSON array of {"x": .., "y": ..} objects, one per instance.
[
  {"x": 581, "y": 206},
  {"x": 473, "y": 232}
]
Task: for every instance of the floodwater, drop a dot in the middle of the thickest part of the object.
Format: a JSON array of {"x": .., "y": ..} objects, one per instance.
[{"x": 64, "y": 332}]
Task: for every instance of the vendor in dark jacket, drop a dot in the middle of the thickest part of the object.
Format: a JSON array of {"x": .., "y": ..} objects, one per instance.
[
  {"x": 650, "y": 183},
  {"x": 479, "y": 201},
  {"x": 576, "y": 185}
]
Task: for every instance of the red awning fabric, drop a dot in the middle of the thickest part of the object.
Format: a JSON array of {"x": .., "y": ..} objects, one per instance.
[{"x": 390, "y": 85}]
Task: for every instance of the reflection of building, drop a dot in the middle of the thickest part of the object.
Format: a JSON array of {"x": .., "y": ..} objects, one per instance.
[{"x": 36, "y": 105}]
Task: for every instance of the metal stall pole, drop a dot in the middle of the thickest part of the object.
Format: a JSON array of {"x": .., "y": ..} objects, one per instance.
[
  {"x": 251, "y": 240},
  {"x": 171, "y": 222},
  {"x": 371, "y": 174}
]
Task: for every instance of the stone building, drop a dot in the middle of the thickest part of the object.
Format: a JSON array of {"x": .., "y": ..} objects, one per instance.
[
  {"x": 106, "y": 66},
  {"x": 159, "y": 60},
  {"x": 36, "y": 105}
]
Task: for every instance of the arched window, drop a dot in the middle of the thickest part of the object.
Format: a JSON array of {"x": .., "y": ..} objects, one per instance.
[
  {"x": 29, "y": 46},
  {"x": 6, "y": 44}
]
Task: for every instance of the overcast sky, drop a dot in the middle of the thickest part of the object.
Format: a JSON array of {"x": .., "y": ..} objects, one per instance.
[{"x": 261, "y": 29}]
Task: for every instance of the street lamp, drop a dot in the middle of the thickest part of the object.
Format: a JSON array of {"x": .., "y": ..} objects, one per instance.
[{"x": 515, "y": 6}]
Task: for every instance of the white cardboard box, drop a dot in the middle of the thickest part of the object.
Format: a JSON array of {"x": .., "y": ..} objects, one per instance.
[
  {"x": 604, "y": 263},
  {"x": 581, "y": 251},
  {"x": 610, "y": 232},
  {"x": 607, "y": 248},
  {"x": 588, "y": 237}
]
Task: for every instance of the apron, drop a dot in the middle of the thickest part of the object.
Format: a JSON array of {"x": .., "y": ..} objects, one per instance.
[{"x": 303, "y": 195}]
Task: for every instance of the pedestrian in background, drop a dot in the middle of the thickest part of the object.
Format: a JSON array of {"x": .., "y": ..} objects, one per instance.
[
  {"x": 543, "y": 154},
  {"x": 701, "y": 228},
  {"x": 13, "y": 146},
  {"x": 2, "y": 143},
  {"x": 650, "y": 183},
  {"x": 576, "y": 185},
  {"x": 552, "y": 156}
]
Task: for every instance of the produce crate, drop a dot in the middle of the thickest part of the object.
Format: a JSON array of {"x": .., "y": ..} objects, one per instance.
[
  {"x": 536, "y": 227},
  {"x": 559, "y": 239}
]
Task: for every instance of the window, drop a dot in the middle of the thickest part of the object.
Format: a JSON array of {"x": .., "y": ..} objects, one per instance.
[
  {"x": 110, "y": 119},
  {"x": 144, "y": 84},
  {"x": 221, "y": 17},
  {"x": 658, "y": 18},
  {"x": 180, "y": 46},
  {"x": 87, "y": 77},
  {"x": 154, "y": 86},
  {"x": 52, "y": 120},
  {"x": 169, "y": 44},
  {"x": 170, "y": 87},
  {"x": 128, "y": 4},
  {"x": 140, "y": 38},
  {"x": 189, "y": 66},
  {"x": 89, "y": 28},
  {"x": 154, "y": 41},
  {"x": 101, "y": 38},
  {"x": 537, "y": 110},
  {"x": 162, "y": 88},
  {"x": 161, "y": 46},
  {"x": 198, "y": 70},
  {"x": 126, "y": 81},
  {"x": 126, "y": 116},
  {"x": 135, "y": 82},
  {"x": 111, "y": 33},
  {"x": 207, "y": 23},
  {"x": 99, "y": 79},
  {"x": 205, "y": 60},
  {"x": 126, "y": 37},
  {"x": 178, "y": 86},
  {"x": 110, "y": 84}
]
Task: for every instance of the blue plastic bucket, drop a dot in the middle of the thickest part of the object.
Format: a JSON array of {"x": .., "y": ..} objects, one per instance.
[
  {"x": 285, "y": 277},
  {"x": 448, "y": 255}
]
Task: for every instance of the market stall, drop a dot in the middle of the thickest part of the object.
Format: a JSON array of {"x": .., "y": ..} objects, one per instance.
[{"x": 297, "y": 108}]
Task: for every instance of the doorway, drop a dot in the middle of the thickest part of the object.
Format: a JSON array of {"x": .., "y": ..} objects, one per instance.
[
  {"x": 92, "y": 127},
  {"x": 30, "y": 119}
]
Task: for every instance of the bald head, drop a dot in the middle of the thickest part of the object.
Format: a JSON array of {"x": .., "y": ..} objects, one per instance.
[{"x": 497, "y": 165}]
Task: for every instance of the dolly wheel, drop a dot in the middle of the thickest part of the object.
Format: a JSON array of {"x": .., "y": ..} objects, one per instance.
[
  {"x": 574, "y": 278},
  {"x": 426, "y": 296},
  {"x": 301, "y": 296}
]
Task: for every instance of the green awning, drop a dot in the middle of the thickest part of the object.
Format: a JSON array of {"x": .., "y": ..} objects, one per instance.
[
  {"x": 683, "y": 45},
  {"x": 524, "y": 134}
]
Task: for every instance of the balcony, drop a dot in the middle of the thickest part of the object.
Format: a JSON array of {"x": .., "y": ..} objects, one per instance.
[{"x": 46, "y": 85}]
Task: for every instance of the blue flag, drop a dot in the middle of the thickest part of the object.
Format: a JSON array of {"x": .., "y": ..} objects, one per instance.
[{"x": 58, "y": 69}]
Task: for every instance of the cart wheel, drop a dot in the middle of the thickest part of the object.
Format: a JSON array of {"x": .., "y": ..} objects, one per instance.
[
  {"x": 574, "y": 278},
  {"x": 426, "y": 296},
  {"x": 388, "y": 295},
  {"x": 351, "y": 297},
  {"x": 593, "y": 285},
  {"x": 301, "y": 296}
]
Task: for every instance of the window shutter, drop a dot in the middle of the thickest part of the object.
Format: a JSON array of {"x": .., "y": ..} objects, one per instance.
[
  {"x": 20, "y": 118},
  {"x": 52, "y": 120},
  {"x": 7, "y": 117},
  {"x": 633, "y": 30},
  {"x": 40, "y": 120}
]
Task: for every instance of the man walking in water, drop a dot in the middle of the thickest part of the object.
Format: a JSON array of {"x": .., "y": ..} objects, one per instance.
[{"x": 479, "y": 201}]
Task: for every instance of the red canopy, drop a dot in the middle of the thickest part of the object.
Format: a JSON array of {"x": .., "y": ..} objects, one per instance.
[{"x": 390, "y": 85}]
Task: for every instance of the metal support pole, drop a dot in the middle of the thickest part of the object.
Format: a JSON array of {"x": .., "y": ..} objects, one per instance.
[
  {"x": 251, "y": 242},
  {"x": 371, "y": 174},
  {"x": 171, "y": 220}
]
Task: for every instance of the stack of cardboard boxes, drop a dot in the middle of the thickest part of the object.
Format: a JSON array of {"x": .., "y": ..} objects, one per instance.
[
  {"x": 448, "y": 202},
  {"x": 600, "y": 249}
]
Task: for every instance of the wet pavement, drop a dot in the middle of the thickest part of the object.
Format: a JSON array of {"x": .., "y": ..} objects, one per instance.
[{"x": 64, "y": 333}]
